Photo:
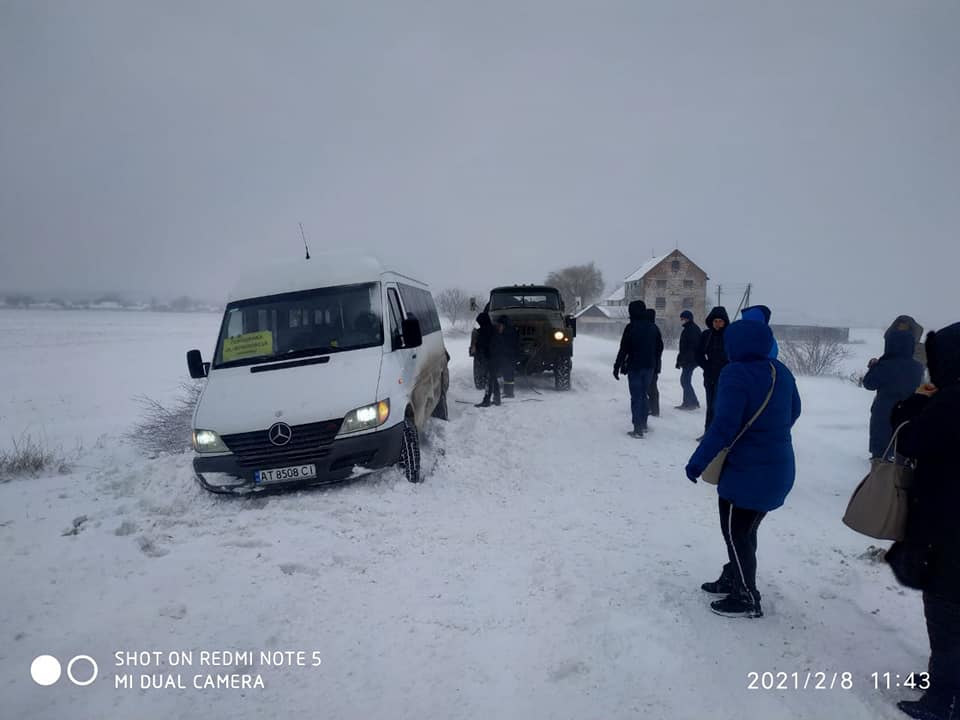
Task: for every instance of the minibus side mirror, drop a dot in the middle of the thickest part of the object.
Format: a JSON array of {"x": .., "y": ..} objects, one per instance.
[
  {"x": 412, "y": 334},
  {"x": 198, "y": 368}
]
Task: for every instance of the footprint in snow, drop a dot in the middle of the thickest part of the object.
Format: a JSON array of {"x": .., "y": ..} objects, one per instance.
[
  {"x": 148, "y": 548},
  {"x": 568, "y": 669},
  {"x": 294, "y": 568}
]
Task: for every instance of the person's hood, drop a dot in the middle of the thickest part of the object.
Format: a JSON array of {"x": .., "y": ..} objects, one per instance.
[
  {"x": 717, "y": 312},
  {"x": 748, "y": 340},
  {"x": 637, "y": 309},
  {"x": 686, "y": 315},
  {"x": 651, "y": 315},
  {"x": 915, "y": 328},
  {"x": 898, "y": 344},
  {"x": 483, "y": 320},
  {"x": 943, "y": 356},
  {"x": 760, "y": 313}
]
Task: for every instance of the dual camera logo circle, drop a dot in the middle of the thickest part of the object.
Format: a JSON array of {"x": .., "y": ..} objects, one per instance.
[{"x": 46, "y": 670}]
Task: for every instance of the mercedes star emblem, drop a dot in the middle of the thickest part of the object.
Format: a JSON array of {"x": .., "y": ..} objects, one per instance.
[{"x": 279, "y": 433}]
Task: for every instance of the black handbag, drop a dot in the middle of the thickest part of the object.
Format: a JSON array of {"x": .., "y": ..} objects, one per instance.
[{"x": 912, "y": 563}]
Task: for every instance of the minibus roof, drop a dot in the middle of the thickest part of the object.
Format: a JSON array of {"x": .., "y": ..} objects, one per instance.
[{"x": 321, "y": 270}]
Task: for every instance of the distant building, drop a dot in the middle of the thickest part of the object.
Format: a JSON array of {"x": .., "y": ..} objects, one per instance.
[{"x": 670, "y": 284}]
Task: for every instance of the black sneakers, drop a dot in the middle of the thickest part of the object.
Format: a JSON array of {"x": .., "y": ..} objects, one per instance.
[
  {"x": 736, "y": 605},
  {"x": 932, "y": 706}
]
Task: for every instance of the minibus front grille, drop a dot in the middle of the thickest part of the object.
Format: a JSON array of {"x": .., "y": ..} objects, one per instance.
[{"x": 254, "y": 449}]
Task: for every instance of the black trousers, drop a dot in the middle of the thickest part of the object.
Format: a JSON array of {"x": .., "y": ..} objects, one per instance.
[
  {"x": 739, "y": 527},
  {"x": 493, "y": 380},
  {"x": 653, "y": 396},
  {"x": 710, "y": 389},
  {"x": 943, "y": 628}
]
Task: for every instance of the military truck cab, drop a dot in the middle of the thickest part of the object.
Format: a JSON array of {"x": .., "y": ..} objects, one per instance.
[{"x": 546, "y": 332}]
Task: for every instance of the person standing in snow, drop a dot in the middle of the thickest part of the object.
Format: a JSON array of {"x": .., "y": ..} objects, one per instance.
[
  {"x": 931, "y": 437},
  {"x": 760, "y": 467},
  {"x": 490, "y": 348},
  {"x": 761, "y": 313},
  {"x": 653, "y": 394},
  {"x": 894, "y": 377},
  {"x": 712, "y": 357},
  {"x": 687, "y": 360},
  {"x": 638, "y": 358},
  {"x": 511, "y": 351}
]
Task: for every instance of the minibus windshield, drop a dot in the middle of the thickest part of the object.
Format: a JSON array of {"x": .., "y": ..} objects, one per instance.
[{"x": 300, "y": 324}]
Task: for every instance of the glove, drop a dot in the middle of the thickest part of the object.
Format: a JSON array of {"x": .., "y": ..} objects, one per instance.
[
  {"x": 616, "y": 374},
  {"x": 692, "y": 473}
]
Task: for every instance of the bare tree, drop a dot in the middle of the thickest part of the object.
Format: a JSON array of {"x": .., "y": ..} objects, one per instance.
[
  {"x": 577, "y": 281},
  {"x": 454, "y": 304},
  {"x": 166, "y": 429},
  {"x": 816, "y": 355}
]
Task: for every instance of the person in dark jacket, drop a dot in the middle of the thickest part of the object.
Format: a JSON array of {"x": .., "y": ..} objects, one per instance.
[
  {"x": 511, "y": 352},
  {"x": 638, "y": 358},
  {"x": 761, "y": 313},
  {"x": 931, "y": 437},
  {"x": 653, "y": 393},
  {"x": 687, "y": 360},
  {"x": 490, "y": 348},
  {"x": 894, "y": 377},
  {"x": 712, "y": 357},
  {"x": 759, "y": 469}
]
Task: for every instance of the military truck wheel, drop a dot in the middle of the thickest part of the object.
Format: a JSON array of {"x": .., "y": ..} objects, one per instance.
[
  {"x": 479, "y": 373},
  {"x": 410, "y": 452},
  {"x": 561, "y": 374}
]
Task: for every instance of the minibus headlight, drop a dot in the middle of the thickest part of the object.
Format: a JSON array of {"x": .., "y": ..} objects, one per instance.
[
  {"x": 366, "y": 417},
  {"x": 207, "y": 441}
]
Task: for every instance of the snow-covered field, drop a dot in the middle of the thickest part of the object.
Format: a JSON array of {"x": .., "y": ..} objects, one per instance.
[{"x": 549, "y": 567}]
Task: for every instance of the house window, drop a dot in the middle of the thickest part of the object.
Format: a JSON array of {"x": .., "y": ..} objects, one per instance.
[
  {"x": 661, "y": 282},
  {"x": 688, "y": 283},
  {"x": 675, "y": 266},
  {"x": 661, "y": 303},
  {"x": 688, "y": 303}
]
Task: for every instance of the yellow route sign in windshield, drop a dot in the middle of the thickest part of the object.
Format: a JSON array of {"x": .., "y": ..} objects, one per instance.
[{"x": 248, "y": 345}]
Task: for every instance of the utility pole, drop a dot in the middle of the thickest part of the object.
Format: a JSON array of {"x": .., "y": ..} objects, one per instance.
[
  {"x": 746, "y": 302},
  {"x": 718, "y": 294}
]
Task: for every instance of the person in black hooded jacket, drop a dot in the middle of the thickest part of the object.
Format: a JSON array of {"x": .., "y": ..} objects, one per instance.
[
  {"x": 638, "y": 358},
  {"x": 931, "y": 437},
  {"x": 687, "y": 360},
  {"x": 490, "y": 347},
  {"x": 711, "y": 356},
  {"x": 653, "y": 393}
]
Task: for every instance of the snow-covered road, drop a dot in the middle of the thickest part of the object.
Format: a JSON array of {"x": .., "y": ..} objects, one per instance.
[{"x": 549, "y": 567}]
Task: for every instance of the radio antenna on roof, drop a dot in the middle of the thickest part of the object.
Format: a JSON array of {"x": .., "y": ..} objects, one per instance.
[{"x": 304, "y": 237}]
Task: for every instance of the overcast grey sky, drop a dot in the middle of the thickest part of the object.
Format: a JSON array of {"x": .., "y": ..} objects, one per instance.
[{"x": 810, "y": 147}]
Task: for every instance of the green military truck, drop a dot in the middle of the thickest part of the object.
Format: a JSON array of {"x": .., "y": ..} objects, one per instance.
[{"x": 546, "y": 333}]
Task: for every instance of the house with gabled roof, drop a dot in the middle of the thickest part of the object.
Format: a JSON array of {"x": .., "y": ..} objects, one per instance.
[{"x": 669, "y": 283}]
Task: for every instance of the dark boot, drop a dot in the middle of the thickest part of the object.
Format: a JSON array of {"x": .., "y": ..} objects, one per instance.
[
  {"x": 496, "y": 399},
  {"x": 724, "y": 585},
  {"x": 637, "y": 431},
  {"x": 484, "y": 403},
  {"x": 741, "y": 604},
  {"x": 932, "y": 706}
]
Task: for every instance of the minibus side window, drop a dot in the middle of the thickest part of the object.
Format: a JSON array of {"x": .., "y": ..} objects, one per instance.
[{"x": 395, "y": 319}]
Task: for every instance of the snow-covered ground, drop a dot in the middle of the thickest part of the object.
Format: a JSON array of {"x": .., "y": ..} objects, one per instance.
[{"x": 549, "y": 567}]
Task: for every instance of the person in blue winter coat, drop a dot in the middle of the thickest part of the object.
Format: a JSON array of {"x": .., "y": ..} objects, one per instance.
[
  {"x": 894, "y": 377},
  {"x": 759, "y": 469},
  {"x": 761, "y": 313}
]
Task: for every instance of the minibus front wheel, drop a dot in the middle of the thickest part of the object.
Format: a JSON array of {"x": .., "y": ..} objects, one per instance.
[{"x": 409, "y": 463}]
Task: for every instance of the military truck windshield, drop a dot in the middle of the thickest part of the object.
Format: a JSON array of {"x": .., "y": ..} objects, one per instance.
[
  {"x": 300, "y": 324},
  {"x": 502, "y": 300}
]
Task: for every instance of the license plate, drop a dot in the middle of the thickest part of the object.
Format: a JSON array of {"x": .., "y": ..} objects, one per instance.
[{"x": 285, "y": 474}]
